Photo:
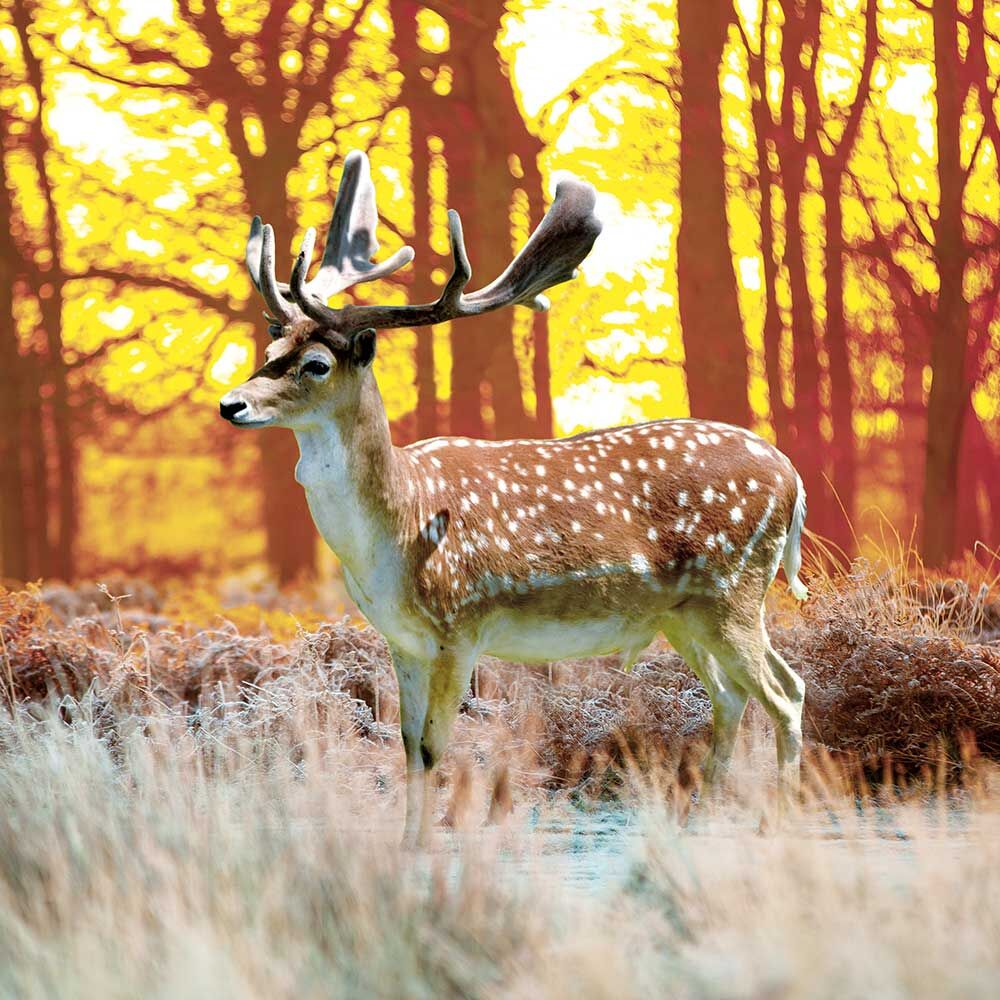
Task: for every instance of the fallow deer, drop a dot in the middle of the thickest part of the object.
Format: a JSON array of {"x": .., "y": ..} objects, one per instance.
[{"x": 531, "y": 550}]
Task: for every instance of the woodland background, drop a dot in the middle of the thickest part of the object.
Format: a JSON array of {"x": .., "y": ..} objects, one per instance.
[{"x": 801, "y": 216}]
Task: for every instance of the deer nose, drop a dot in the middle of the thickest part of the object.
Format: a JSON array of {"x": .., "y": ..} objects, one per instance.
[{"x": 232, "y": 408}]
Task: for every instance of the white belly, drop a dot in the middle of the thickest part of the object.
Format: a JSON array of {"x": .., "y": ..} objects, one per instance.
[{"x": 532, "y": 639}]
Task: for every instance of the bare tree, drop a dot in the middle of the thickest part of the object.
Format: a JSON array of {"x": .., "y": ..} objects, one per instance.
[
  {"x": 714, "y": 345},
  {"x": 279, "y": 107}
]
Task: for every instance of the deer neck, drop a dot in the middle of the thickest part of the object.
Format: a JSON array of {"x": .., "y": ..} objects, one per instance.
[{"x": 348, "y": 468}]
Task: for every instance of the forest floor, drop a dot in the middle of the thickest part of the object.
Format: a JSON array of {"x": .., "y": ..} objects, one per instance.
[{"x": 201, "y": 795}]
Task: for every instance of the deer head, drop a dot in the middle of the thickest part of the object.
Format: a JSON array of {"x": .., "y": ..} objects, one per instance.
[{"x": 320, "y": 356}]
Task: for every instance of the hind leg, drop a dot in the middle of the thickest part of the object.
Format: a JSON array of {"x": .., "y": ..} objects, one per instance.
[
  {"x": 729, "y": 700},
  {"x": 739, "y": 644}
]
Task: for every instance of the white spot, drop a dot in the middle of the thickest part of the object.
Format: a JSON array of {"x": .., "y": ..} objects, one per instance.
[
  {"x": 661, "y": 464},
  {"x": 754, "y": 448},
  {"x": 753, "y": 485},
  {"x": 576, "y": 526},
  {"x": 640, "y": 563},
  {"x": 708, "y": 494},
  {"x": 473, "y": 497},
  {"x": 616, "y": 477},
  {"x": 540, "y": 470},
  {"x": 682, "y": 498},
  {"x": 668, "y": 443},
  {"x": 736, "y": 514},
  {"x": 600, "y": 508},
  {"x": 626, "y": 464},
  {"x": 642, "y": 464},
  {"x": 651, "y": 534}
]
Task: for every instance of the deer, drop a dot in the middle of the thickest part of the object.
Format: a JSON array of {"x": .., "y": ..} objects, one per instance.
[{"x": 528, "y": 550}]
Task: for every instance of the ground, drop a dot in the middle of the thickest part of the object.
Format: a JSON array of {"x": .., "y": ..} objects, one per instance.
[{"x": 202, "y": 796}]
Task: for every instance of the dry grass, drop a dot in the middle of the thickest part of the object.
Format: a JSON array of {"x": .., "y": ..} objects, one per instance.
[{"x": 189, "y": 810}]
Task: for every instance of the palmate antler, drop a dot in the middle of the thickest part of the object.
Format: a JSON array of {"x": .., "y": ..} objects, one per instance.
[{"x": 561, "y": 241}]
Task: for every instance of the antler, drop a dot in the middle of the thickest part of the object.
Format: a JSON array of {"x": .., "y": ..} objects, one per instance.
[
  {"x": 350, "y": 245},
  {"x": 561, "y": 241}
]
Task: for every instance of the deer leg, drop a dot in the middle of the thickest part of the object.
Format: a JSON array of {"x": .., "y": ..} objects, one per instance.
[
  {"x": 449, "y": 680},
  {"x": 729, "y": 700},
  {"x": 740, "y": 645},
  {"x": 413, "y": 676},
  {"x": 789, "y": 731}
]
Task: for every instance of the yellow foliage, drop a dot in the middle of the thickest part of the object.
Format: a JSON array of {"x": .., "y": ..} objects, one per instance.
[{"x": 151, "y": 187}]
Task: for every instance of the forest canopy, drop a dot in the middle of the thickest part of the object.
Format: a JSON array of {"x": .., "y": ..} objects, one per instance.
[{"x": 800, "y": 208}]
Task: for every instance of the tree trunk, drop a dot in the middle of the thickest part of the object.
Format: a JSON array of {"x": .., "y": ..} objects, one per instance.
[
  {"x": 47, "y": 281},
  {"x": 842, "y": 455},
  {"x": 481, "y": 117},
  {"x": 541, "y": 369},
  {"x": 715, "y": 348},
  {"x": 913, "y": 440},
  {"x": 419, "y": 100},
  {"x": 13, "y": 533},
  {"x": 809, "y": 446},
  {"x": 977, "y": 480},
  {"x": 290, "y": 535},
  {"x": 946, "y": 407},
  {"x": 780, "y": 413}
]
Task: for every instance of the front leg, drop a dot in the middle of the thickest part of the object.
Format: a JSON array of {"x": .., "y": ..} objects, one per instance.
[
  {"x": 429, "y": 699},
  {"x": 413, "y": 677}
]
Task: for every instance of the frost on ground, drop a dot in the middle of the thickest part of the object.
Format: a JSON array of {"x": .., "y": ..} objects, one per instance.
[{"x": 200, "y": 799}]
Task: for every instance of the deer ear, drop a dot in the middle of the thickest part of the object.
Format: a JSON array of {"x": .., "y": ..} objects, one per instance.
[{"x": 363, "y": 348}]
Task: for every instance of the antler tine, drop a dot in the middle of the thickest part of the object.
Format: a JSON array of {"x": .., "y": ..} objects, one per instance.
[
  {"x": 461, "y": 272},
  {"x": 563, "y": 238},
  {"x": 280, "y": 308},
  {"x": 351, "y": 242},
  {"x": 254, "y": 241},
  {"x": 551, "y": 255}
]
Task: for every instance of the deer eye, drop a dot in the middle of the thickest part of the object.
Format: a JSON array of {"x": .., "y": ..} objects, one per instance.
[{"x": 315, "y": 367}]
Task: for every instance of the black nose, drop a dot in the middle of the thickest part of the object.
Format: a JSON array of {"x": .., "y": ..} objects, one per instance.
[{"x": 229, "y": 410}]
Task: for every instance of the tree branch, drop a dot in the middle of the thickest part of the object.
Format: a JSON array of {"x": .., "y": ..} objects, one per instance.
[
  {"x": 154, "y": 282},
  {"x": 121, "y": 81},
  {"x": 921, "y": 307},
  {"x": 928, "y": 241},
  {"x": 847, "y": 141}
]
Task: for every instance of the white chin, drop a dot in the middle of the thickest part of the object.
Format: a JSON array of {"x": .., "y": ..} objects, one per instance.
[{"x": 253, "y": 422}]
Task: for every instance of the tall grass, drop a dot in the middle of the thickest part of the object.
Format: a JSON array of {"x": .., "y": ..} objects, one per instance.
[
  {"x": 164, "y": 864},
  {"x": 196, "y": 809}
]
